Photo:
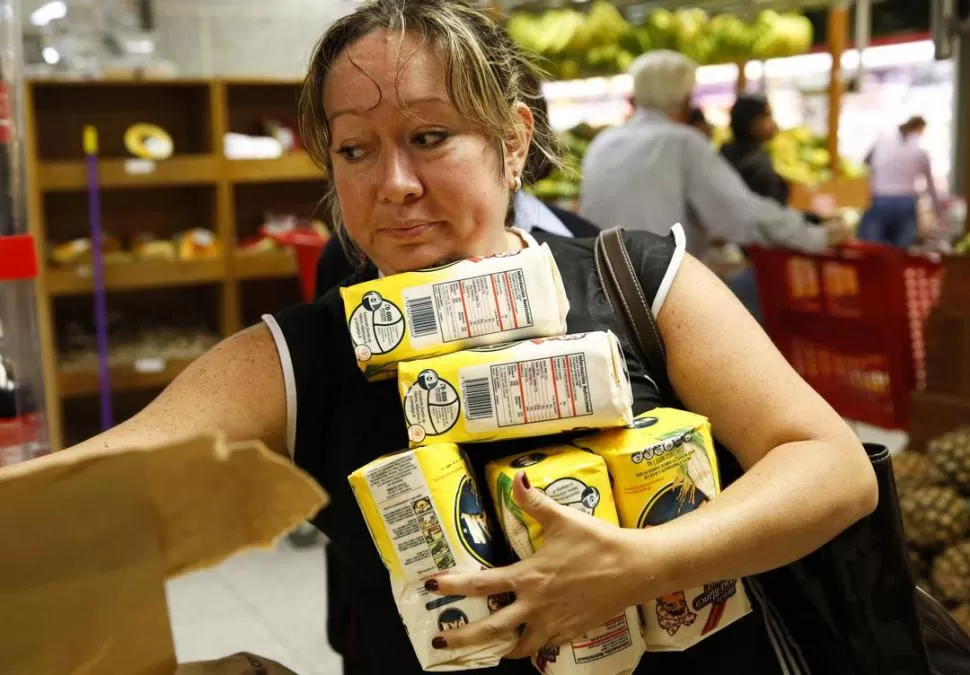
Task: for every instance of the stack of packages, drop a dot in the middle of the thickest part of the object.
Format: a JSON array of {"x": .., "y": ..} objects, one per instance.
[{"x": 481, "y": 354}]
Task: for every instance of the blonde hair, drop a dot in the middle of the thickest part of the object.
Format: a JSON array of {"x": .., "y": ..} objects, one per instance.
[
  {"x": 486, "y": 75},
  {"x": 663, "y": 80}
]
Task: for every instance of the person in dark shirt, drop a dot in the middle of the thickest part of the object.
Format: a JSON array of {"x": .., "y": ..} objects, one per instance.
[
  {"x": 753, "y": 125},
  {"x": 337, "y": 263}
]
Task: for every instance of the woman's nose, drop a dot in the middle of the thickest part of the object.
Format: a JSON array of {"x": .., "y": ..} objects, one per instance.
[{"x": 399, "y": 180}]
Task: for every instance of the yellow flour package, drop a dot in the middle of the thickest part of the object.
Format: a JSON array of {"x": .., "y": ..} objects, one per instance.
[
  {"x": 663, "y": 466},
  {"x": 426, "y": 516},
  {"x": 471, "y": 303},
  {"x": 532, "y": 388},
  {"x": 579, "y": 480}
]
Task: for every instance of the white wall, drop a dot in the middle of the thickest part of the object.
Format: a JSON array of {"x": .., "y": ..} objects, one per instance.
[
  {"x": 243, "y": 37},
  {"x": 232, "y": 37}
]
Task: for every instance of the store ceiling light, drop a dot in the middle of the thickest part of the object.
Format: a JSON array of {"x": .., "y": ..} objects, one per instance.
[
  {"x": 51, "y": 55},
  {"x": 48, "y": 12}
]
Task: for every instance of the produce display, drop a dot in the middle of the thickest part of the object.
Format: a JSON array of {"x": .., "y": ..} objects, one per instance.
[
  {"x": 799, "y": 156},
  {"x": 962, "y": 247},
  {"x": 933, "y": 491},
  {"x": 563, "y": 183},
  {"x": 802, "y": 157},
  {"x": 601, "y": 41}
]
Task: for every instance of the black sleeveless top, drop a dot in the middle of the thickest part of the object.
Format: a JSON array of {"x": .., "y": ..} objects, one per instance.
[{"x": 343, "y": 422}]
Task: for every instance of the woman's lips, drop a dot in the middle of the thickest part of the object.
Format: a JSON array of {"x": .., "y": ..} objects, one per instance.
[{"x": 411, "y": 231}]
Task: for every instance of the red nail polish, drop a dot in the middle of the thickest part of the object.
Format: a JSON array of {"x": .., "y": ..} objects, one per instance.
[
  {"x": 525, "y": 481},
  {"x": 439, "y": 643},
  {"x": 431, "y": 585}
]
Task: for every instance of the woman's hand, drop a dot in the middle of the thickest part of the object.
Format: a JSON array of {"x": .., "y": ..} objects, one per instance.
[{"x": 578, "y": 580}]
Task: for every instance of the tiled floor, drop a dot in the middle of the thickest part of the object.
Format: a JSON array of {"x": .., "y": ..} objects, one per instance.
[{"x": 269, "y": 603}]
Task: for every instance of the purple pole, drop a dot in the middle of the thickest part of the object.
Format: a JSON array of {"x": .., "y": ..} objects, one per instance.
[{"x": 97, "y": 265}]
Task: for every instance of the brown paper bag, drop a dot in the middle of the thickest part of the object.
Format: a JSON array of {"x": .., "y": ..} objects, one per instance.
[
  {"x": 87, "y": 540},
  {"x": 238, "y": 664}
]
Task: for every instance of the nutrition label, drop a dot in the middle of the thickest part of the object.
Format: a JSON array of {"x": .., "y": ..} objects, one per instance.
[
  {"x": 410, "y": 517},
  {"x": 610, "y": 638},
  {"x": 468, "y": 308},
  {"x": 525, "y": 392}
]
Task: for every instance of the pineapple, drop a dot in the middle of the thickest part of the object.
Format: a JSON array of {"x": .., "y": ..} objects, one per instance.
[
  {"x": 934, "y": 517},
  {"x": 950, "y": 454},
  {"x": 914, "y": 470},
  {"x": 962, "y": 616},
  {"x": 951, "y": 573}
]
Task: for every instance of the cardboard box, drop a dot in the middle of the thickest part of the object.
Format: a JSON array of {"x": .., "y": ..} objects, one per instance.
[{"x": 89, "y": 538}]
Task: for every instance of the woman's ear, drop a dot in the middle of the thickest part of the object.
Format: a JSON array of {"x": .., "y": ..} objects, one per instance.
[{"x": 517, "y": 146}]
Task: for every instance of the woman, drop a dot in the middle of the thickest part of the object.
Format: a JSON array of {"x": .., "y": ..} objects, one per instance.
[
  {"x": 752, "y": 125},
  {"x": 896, "y": 162},
  {"x": 417, "y": 110},
  {"x": 336, "y": 264}
]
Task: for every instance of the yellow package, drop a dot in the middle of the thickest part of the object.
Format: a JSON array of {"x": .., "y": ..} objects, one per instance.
[
  {"x": 577, "y": 479},
  {"x": 471, "y": 303},
  {"x": 531, "y": 388},
  {"x": 426, "y": 516},
  {"x": 663, "y": 466}
]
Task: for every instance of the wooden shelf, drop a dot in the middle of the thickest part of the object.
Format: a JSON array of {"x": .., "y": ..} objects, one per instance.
[
  {"x": 136, "y": 275},
  {"x": 115, "y": 173},
  {"x": 291, "y": 167},
  {"x": 271, "y": 265},
  {"x": 143, "y": 374}
]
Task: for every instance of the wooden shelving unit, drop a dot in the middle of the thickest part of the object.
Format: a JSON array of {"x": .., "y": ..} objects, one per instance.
[
  {"x": 145, "y": 274},
  {"x": 197, "y": 187},
  {"x": 117, "y": 173},
  {"x": 274, "y": 265},
  {"x": 140, "y": 375},
  {"x": 294, "y": 166}
]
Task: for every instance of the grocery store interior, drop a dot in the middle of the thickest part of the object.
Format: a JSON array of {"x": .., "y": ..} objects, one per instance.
[{"x": 156, "y": 197}]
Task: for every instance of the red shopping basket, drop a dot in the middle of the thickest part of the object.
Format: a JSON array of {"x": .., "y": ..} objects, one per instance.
[{"x": 851, "y": 322}]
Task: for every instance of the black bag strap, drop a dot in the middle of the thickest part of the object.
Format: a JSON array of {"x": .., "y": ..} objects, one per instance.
[{"x": 623, "y": 289}]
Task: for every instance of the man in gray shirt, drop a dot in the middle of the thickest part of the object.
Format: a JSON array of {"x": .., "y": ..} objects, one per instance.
[{"x": 654, "y": 172}]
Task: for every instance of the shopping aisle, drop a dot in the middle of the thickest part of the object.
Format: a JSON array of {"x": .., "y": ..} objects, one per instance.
[{"x": 271, "y": 603}]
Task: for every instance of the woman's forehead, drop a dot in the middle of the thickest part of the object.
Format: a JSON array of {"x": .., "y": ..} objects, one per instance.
[{"x": 383, "y": 67}]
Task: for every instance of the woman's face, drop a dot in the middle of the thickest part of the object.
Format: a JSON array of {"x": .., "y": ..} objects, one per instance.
[{"x": 417, "y": 183}]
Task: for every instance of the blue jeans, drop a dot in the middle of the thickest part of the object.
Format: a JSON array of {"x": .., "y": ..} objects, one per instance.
[{"x": 890, "y": 220}]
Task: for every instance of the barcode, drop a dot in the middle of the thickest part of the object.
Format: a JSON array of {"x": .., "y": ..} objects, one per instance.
[
  {"x": 421, "y": 317},
  {"x": 477, "y": 395}
]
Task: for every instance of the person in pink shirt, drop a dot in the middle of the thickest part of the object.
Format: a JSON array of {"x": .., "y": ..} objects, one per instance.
[{"x": 896, "y": 162}]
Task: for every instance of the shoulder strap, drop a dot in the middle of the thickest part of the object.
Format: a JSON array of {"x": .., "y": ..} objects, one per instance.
[{"x": 624, "y": 292}]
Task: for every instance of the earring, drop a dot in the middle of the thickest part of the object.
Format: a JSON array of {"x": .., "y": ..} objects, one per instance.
[{"x": 517, "y": 184}]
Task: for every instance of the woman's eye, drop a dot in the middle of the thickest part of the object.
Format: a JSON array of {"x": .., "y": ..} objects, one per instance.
[
  {"x": 350, "y": 152},
  {"x": 429, "y": 139}
]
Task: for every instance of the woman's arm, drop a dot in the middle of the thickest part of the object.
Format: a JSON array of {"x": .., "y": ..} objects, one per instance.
[
  {"x": 807, "y": 478},
  {"x": 236, "y": 388}
]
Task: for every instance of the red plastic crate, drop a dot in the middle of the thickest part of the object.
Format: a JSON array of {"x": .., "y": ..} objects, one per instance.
[{"x": 851, "y": 322}]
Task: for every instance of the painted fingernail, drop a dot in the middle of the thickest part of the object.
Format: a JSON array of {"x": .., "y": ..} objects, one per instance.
[
  {"x": 439, "y": 643},
  {"x": 431, "y": 585},
  {"x": 525, "y": 481}
]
